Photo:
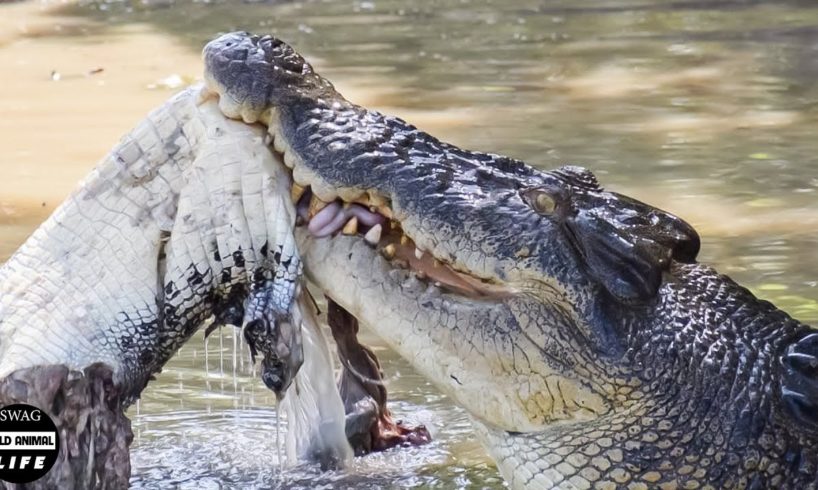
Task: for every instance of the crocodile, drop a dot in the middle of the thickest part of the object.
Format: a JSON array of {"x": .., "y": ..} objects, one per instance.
[
  {"x": 187, "y": 222},
  {"x": 573, "y": 323}
]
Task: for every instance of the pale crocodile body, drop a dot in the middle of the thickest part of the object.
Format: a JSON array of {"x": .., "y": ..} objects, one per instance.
[{"x": 187, "y": 218}]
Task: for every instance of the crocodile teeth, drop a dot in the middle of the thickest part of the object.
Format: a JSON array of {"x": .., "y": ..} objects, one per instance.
[
  {"x": 351, "y": 227},
  {"x": 301, "y": 176},
  {"x": 418, "y": 253},
  {"x": 296, "y": 191},
  {"x": 279, "y": 144},
  {"x": 377, "y": 200},
  {"x": 289, "y": 160},
  {"x": 385, "y": 211},
  {"x": 373, "y": 236},
  {"x": 404, "y": 240},
  {"x": 324, "y": 192},
  {"x": 351, "y": 195},
  {"x": 389, "y": 251},
  {"x": 316, "y": 205}
]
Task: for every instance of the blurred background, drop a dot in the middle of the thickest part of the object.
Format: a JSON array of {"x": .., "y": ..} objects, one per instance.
[{"x": 708, "y": 109}]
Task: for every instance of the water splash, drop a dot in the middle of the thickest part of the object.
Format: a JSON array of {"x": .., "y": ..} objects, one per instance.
[
  {"x": 235, "y": 359},
  {"x": 278, "y": 440},
  {"x": 312, "y": 404},
  {"x": 221, "y": 352},
  {"x": 206, "y": 361}
]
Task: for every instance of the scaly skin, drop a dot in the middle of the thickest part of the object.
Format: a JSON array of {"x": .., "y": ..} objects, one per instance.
[
  {"x": 186, "y": 219},
  {"x": 602, "y": 356}
]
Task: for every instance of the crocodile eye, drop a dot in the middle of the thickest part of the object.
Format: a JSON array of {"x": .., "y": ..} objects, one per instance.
[{"x": 542, "y": 202}]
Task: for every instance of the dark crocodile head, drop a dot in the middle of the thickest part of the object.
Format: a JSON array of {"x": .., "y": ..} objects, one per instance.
[{"x": 572, "y": 322}]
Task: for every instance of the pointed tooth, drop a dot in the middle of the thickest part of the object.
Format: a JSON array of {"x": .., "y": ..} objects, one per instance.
[
  {"x": 351, "y": 227},
  {"x": 437, "y": 284},
  {"x": 362, "y": 200},
  {"x": 373, "y": 236},
  {"x": 421, "y": 275},
  {"x": 389, "y": 251},
  {"x": 279, "y": 144},
  {"x": 394, "y": 225},
  {"x": 289, "y": 159},
  {"x": 266, "y": 117},
  {"x": 377, "y": 200},
  {"x": 404, "y": 240},
  {"x": 301, "y": 175},
  {"x": 316, "y": 205},
  {"x": 418, "y": 253},
  {"x": 436, "y": 263},
  {"x": 385, "y": 211},
  {"x": 350, "y": 194},
  {"x": 296, "y": 191},
  {"x": 324, "y": 192}
]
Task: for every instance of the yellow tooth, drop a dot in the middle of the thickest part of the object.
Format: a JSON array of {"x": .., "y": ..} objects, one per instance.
[
  {"x": 296, "y": 191},
  {"x": 362, "y": 200},
  {"x": 351, "y": 227},
  {"x": 404, "y": 240},
  {"x": 316, "y": 205},
  {"x": 436, "y": 263},
  {"x": 420, "y": 275},
  {"x": 389, "y": 251},
  {"x": 376, "y": 200},
  {"x": 384, "y": 210},
  {"x": 394, "y": 225}
]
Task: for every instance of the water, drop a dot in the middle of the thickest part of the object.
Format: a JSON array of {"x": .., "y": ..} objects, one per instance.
[
  {"x": 707, "y": 109},
  {"x": 312, "y": 404}
]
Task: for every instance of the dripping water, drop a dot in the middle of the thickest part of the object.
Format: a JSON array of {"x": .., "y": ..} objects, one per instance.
[
  {"x": 206, "y": 351},
  {"x": 312, "y": 404},
  {"x": 233, "y": 335},
  {"x": 221, "y": 353},
  {"x": 278, "y": 440}
]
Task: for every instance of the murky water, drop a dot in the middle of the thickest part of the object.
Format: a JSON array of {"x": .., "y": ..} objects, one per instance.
[{"x": 708, "y": 109}]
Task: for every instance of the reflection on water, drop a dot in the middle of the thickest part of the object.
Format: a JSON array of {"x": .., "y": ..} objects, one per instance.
[{"x": 708, "y": 109}]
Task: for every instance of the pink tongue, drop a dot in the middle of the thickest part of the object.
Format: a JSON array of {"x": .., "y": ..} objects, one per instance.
[{"x": 333, "y": 218}]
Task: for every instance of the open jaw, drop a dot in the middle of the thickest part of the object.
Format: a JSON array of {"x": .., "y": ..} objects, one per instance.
[
  {"x": 480, "y": 270},
  {"x": 450, "y": 256},
  {"x": 558, "y": 314}
]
